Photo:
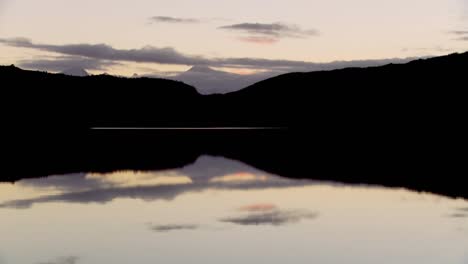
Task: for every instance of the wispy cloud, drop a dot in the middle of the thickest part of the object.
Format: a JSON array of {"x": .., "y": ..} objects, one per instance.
[
  {"x": 260, "y": 33},
  {"x": 460, "y": 34},
  {"x": 172, "y": 227},
  {"x": 174, "y": 20},
  {"x": 63, "y": 260},
  {"x": 459, "y": 215},
  {"x": 103, "y": 193},
  {"x": 277, "y": 30},
  {"x": 259, "y": 40},
  {"x": 274, "y": 218},
  {"x": 428, "y": 50},
  {"x": 258, "y": 208},
  {"x": 63, "y": 63}
]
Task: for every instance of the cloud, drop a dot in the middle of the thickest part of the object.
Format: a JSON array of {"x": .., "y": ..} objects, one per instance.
[
  {"x": 458, "y": 215},
  {"x": 16, "y": 42},
  {"x": 107, "y": 194},
  {"x": 82, "y": 188},
  {"x": 438, "y": 49},
  {"x": 461, "y": 34},
  {"x": 259, "y": 40},
  {"x": 59, "y": 64},
  {"x": 105, "y": 52},
  {"x": 301, "y": 66},
  {"x": 276, "y": 30},
  {"x": 209, "y": 81},
  {"x": 174, "y": 20},
  {"x": 274, "y": 218},
  {"x": 168, "y": 228},
  {"x": 63, "y": 260},
  {"x": 169, "y": 55},
  {"x": 269, "y": 68},
  {"x": 258, "y": 208},
  {"x": 101, "y": 56}
]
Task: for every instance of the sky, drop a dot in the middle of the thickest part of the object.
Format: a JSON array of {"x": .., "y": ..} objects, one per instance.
[{"x": 162, "y": 37}]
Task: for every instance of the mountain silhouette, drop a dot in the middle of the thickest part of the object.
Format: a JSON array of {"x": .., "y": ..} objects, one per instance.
[
  {"x": 396, "y": 125},
  {"x": 211, "y": 81},
  {"x": 75, "y": 72},
  {"x": 70, "y": 102},
  {"x": 203, "y": 69},
  {"x": 416, "y": 91},
  {"x": 413, "y": 95}
]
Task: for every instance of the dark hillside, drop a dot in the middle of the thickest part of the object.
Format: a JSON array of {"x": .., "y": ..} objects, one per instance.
[{"x": 396, "y": 125}]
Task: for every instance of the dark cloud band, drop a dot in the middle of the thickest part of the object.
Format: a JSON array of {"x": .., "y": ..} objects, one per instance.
[
  {"x": 105, "y": 52},
  {"x": 57, "y": 64},
  {"x": 169, "y": 55}
]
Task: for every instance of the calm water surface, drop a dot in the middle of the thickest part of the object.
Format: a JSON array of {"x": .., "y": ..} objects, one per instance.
[{"x": 223, "y": 211}]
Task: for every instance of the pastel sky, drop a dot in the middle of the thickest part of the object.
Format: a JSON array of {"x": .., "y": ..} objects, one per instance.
[{"x": 152, "y": 36}]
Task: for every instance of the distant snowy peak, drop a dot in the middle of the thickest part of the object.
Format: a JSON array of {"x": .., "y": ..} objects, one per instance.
[
  {"x": 201, "y": 69},
  {"x": 210, "y": 81},
  {"x": 76, "y": 72}
]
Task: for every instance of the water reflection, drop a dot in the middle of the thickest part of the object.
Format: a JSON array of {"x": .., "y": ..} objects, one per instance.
[
  {"x": 63, "y": 260},
  {"x": 221, "y": 174},
  {"x": 222, "y": 211},
  {"x": 460, "y": 213},
  {"x": 273, "y": 217}
]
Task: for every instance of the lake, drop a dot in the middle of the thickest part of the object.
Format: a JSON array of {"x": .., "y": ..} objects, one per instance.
[{"x": 218, "y": 210}]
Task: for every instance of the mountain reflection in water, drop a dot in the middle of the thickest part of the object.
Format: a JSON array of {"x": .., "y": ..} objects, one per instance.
[{"x": 223, "y": 211}]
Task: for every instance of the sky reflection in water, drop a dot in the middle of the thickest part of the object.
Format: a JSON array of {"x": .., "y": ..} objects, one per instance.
[{"x": 222, "y": 211}]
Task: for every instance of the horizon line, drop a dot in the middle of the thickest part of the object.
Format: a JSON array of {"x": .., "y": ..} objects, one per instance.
[{"x": 188, "y": 128}]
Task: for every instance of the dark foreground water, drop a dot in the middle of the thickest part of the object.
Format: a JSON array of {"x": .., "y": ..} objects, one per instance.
[{"x": 222, "y": 211}]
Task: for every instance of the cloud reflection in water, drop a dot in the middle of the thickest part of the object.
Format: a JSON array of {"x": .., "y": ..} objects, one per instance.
[
  {"x": 63, "y": 260},
  {"x": 208, "y": 173},
  {"x": 274, "y": 217}
]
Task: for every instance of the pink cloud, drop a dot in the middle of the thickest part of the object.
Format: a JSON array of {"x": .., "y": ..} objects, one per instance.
[{"x": 258, "y": 208}]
